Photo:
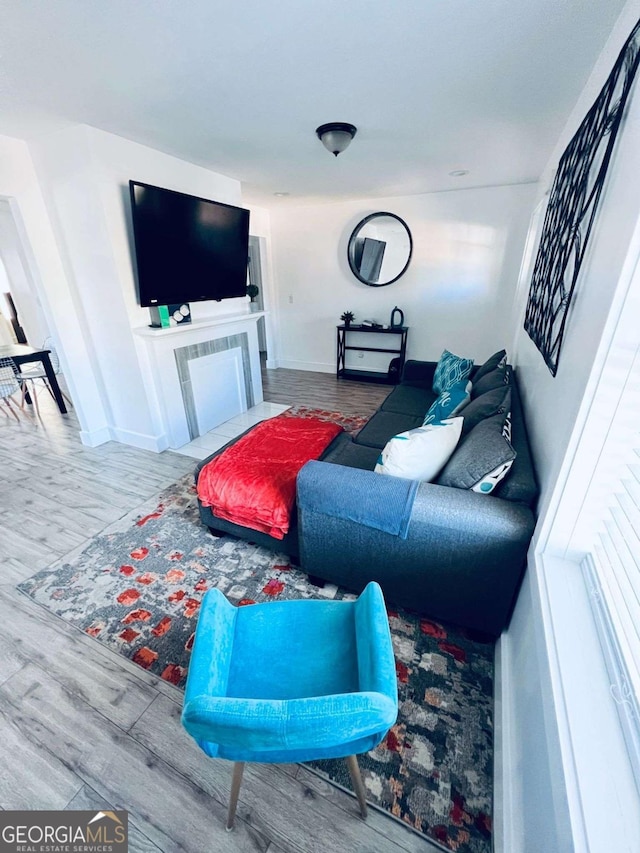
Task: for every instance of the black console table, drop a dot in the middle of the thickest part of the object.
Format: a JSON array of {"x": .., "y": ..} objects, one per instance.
[{"x": 398, "y": 337}]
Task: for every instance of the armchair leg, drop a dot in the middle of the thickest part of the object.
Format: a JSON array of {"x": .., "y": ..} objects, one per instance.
[
  {"x": 238, "y": 769},
  {"x": 356, "y": 781}
]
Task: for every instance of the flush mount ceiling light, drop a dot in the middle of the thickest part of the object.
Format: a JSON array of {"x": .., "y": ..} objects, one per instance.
[
  {"x": 336, "y": 136},
  {"x": 459, "y": 173}
]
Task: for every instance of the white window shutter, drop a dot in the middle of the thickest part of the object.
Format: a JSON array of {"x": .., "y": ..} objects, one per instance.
[{"x": 612, "y": 564}]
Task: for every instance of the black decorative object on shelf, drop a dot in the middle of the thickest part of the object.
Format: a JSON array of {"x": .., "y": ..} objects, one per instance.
[
  {"x": 397, "y": 318},
  {"x": 347, "y": 318},
  {"x": 572, "y": 207}
]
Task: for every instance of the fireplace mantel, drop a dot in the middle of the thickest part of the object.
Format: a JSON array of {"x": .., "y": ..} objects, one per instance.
[
  {"x": 196, "y": 325},
  {"x": 165, "y": 354}
]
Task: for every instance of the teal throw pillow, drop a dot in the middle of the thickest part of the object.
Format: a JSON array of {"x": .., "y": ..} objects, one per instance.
[
  {"x": 449, "y": 403},
  {"x": 449, "y": 370}
]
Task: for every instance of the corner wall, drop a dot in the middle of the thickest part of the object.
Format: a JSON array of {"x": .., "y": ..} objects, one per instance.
[
  {"x": 84, "y": 175},
  {"x": 20, "y": 186},
  {"x": 607, "y": 249},
  {"x": 543, "y": 791},
  {"x": 457, "y": 292}
]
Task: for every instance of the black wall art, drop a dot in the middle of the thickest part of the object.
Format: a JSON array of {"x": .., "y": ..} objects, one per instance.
[{"x": 572, "y": 207}]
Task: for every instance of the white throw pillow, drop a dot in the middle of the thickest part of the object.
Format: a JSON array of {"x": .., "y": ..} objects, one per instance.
[{"x": 420, "y": 454}]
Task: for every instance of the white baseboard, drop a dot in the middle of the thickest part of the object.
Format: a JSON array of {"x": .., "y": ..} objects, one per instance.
[
  {"x": 95, "y": 437},
  {"x": 529, "y": 787},
  {"x": 156, "y": 443},
  {"x": 503, "y": 770},
  {"x": 562, "y": 776}
]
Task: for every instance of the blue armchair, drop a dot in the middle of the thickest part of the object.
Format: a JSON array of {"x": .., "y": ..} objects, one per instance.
[{"x": 291, "y": 681}]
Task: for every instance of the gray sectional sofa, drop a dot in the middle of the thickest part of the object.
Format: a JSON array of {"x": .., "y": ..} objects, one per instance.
[{"x": 464, "y": 553}]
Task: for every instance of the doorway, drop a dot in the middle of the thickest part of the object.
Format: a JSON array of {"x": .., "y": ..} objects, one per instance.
[
  {"x": 19, "y": 302},
  {"x": 256, "y": 277}
]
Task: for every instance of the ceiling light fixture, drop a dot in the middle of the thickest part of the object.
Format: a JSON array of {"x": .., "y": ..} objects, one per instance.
[
  {"x": 336, "y": 136},
  {"x": 459, "y": 173}
]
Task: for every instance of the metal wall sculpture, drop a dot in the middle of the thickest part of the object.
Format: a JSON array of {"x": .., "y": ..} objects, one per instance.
[{"x": 572, "y": 207}]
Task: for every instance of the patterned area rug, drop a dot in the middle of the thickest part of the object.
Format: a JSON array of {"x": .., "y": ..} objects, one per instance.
[
  {"x": 350, "y": 423},
  {"x": 137, "y": 588}
]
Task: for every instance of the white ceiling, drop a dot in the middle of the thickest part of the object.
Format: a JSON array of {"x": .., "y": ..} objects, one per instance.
[{"x": 239, "y": 87}]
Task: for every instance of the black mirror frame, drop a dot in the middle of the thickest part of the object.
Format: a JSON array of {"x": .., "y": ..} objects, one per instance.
[{"x": 350, "y": 251}]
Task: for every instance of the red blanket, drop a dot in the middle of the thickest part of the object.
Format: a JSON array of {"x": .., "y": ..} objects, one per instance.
[{"x": 253, "y": 482}]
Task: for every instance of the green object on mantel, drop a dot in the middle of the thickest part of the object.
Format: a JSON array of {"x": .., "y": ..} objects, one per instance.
[{"x": 163, "y": 313}]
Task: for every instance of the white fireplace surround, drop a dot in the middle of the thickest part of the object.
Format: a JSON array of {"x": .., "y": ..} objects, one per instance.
[{"x": 200, "y": 374}]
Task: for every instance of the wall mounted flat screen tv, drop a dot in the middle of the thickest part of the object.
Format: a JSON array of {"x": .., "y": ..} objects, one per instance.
[{"x": 187, "y": 249}]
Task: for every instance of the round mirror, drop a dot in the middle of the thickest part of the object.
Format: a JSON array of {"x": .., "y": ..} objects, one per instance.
[{"x": 380, "y": 249}]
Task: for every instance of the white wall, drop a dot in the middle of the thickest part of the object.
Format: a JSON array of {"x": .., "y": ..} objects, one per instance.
[
  {"x": 548, "y": 626},
  {"x": 260, "y": 227},
  {"x": 457, "y": 292},
  {"x": 606, "y": 252},
  {"x": 17, "y": 281},
  {"x": 7, "y": 335},
  {"x": 84, "y": 175},
  {"x": 20, "y": 187}
]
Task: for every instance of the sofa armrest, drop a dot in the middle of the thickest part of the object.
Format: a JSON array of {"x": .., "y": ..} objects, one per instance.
[
  {"x": 462, "y": 560},
  {"x": 418, "y": 373}
]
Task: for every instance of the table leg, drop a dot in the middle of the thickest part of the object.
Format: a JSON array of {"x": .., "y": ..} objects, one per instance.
[
  {"x": 53, "y": 382},
  {"x": 27, "y": 395}
]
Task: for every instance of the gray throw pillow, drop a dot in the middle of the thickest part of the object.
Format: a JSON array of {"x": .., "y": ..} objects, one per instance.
[
  {"x": 497, "y": 378},
  {"x": 481, "y": 460},
  {"x": 498, "y": 359},
  {"x": 496, "y": 401}
]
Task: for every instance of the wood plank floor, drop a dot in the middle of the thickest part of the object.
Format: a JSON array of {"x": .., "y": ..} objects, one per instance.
[
  {"x": 322, "y": 390},
  {"x": 82, "y": 727}
]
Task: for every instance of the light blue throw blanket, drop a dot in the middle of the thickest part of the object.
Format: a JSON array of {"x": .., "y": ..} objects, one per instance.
[{"x": 347, "y": 493}]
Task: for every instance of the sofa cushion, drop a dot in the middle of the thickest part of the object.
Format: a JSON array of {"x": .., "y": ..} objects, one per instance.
[
  {"x": 383, "y": 425},
  {"x": 449, "y": 403},
  {"x": 482, "y": 460},
  {"x": 497, "y": 378},
  {"x": 498, "y": 359},
  {"x": 409, "y": 400},
  {"x": 497, "y": 401},
  {"x": 451, "y": 369},
  {"x": 419, "y": 373},
  {"x": 353, "y": 455},
  {"x": 420, "y": 454}
]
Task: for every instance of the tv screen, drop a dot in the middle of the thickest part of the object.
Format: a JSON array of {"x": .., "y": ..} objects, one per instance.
[{"x": 188, "y": 249}]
